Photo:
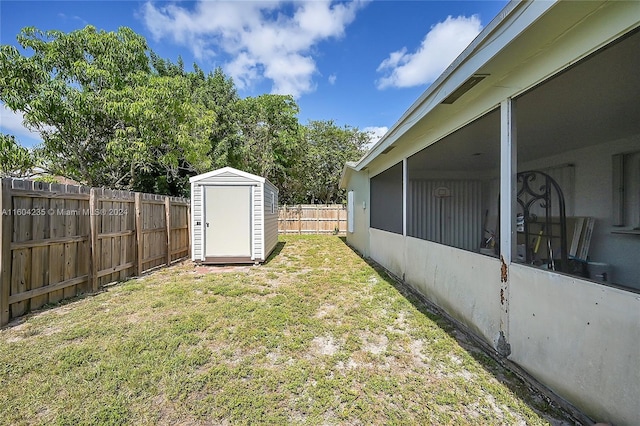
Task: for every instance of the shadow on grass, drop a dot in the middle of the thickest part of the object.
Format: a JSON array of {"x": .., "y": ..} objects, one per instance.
[
  {"x": 523, "y": 386},
  {"x": 276, "y": 251}
]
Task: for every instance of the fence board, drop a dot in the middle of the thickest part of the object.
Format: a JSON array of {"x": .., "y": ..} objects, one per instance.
[
  {"x": 6, "y": 228},
  {"x": 59, "y": 240},
  {"x": 312, "y": 219},
  {"x": 39, "y": 254}
]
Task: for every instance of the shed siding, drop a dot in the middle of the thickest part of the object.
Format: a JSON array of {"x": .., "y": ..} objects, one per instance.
[
  {"x": 270, "y": 219},
  {"x": 257, "y": 222},
  {"x": 196, "y": 208}
]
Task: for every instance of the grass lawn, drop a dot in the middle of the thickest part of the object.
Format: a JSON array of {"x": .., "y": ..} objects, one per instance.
[{"x": 315, "y": 336}]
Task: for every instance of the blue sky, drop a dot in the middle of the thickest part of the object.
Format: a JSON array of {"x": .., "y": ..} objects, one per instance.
[{"x": 360, "y": 63}]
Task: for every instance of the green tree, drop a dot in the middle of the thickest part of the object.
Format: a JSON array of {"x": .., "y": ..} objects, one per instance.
[
  {"x": 15, "y": 160},
  {"x": 165, "y": 133},
  {"x": 106, "y": 117},
  {"x": 60, "y": 89},
  {"x": 328, "y": 148},
  {"x": 272, "y": 141}
]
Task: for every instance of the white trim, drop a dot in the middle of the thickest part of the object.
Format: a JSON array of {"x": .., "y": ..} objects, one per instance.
[
  {"x": 508, "y": 208},
  {"x": 253, "y": 224},
  {"x": 203, "y": 248},
  {"x": 405, "y": 184},
  {"x": 193, "y": 223},
  {"x": 264, "y": 224},
  {"x": 508, "y": 186},
  {"x": 229, "y": 183},
  {"x": 273, "y": 202},
  {"x": 350, "y": 211},
  {"x": 227, "y": 170}
]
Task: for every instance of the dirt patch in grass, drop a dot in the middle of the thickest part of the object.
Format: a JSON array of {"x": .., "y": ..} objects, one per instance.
[{"x": 315, "y": 335}]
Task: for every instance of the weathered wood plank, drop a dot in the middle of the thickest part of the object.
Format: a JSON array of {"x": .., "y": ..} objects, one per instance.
[
  {"x": 56, "y": 250},
  {"x": 115, "y": 269},
  {"x": 19, "y": 192},
  {"x": 153, "y": 259},
  {"x": 189, "y": 229},
  {"x": 93, "y": 228},
  {"x": 117, "y": 234},
  {"x": 48, "y": 241},
  {"x": 139, "y": 234},
  {"x": 21, "y": 259},
  {"x": 84, "y": 247},
  {"x": 179, "y": 250},
  {"x": 40, "y": 254},
  {"x": 162, "y": 229},
  {"x": 43, "y": 290},
  {"x": 106, "y": 254},
  {"x": 167, "y": 222},
  {"x": 70, "y": 249},
  {"x": 6, "y": 234},
  {"x": 21, "y": 269}
]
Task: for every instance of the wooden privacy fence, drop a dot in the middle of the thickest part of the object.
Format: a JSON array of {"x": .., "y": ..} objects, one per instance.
[
  {"x": 312, "y": 219},
  {"x": 59, "y": 240}
]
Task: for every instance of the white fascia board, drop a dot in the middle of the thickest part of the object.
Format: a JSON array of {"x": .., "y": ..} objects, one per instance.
[
  {"x": 346, "y": 173},
  {"x": 511, "y": 22},
  {"x": 227, "y": 170}
]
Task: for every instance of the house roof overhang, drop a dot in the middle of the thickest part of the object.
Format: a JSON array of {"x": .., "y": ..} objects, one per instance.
[
  {"x": 348, "y": 168},
  {"x": 504, "y": 46},
  {"x": 509, "y": 23}
]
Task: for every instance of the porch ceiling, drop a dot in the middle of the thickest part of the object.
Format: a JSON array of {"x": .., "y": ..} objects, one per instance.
[{"x": 595, "y": 101}]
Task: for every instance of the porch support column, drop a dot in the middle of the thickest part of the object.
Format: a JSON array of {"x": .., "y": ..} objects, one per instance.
[
  {"x": 405, "y": 185},
  {"x": 508, "y": 196}
]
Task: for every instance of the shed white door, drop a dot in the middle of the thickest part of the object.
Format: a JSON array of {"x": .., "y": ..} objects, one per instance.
[{"x": 227, "y": 221}]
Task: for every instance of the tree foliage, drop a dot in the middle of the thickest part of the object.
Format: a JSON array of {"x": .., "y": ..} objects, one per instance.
[
  {"x": 61, "y": 89},
  {"x": 15, "y": 160},
  {"x": 328, "y": 148},
  {"x": 272, "y": 140},
  {"x": 113, "y": 113}
]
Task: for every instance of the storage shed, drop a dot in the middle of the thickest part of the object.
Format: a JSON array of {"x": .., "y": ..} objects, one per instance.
[{"x": 234, "y": 216}]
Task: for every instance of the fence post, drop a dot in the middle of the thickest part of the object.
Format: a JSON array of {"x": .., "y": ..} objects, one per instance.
[
  {"x": 139, "y": 248},
  {"x": 167, "y": 214},
  {"x": 318, "y": 219},
  {"x": 6, "y": 234},
  {"x": 189, "y": 228},
  {"x": 93, "y": 227},
  {"x": 299, "y": 218},
  {"x": 285, "y": 217}
]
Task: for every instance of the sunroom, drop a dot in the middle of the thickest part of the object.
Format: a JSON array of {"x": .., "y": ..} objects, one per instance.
[
  {"x": 509, "y": 196},
  {"x": 577, "y": 148}
]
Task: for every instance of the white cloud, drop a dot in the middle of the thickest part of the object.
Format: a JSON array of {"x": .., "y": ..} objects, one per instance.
[
  {"x": 375, "y": 134},
  {"x": 332, "y": 79},
  {"x": 442, "y": 44},
  {"x": 11, "y": 123},
  {"x": 75, "y": 18},
  {"x": 262, "y": 38}
]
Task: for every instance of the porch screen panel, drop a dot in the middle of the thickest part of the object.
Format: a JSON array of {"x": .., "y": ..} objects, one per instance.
[
  {"x": 386, "y": 200},
  {"x": 447, "y": 212},
  {"x": 564, "y": 175}
]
